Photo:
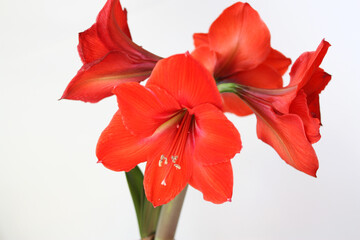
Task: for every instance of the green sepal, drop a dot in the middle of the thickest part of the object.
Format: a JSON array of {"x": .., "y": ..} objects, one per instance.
[{"x": 146, "y": 214}]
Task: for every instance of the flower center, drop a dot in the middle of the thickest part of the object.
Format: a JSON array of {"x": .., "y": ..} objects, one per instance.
[{"x": 175, "y": 154}]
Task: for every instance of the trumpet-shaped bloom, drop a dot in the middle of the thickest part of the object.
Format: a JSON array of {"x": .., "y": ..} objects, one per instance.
[
  {"x": 237, "y": 49},
  {"x": 175, "y": 124},
  {"x": 110, "y": 57},
  {"x": 288, "y": 118}
]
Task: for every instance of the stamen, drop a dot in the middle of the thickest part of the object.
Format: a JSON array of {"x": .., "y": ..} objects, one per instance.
[
  {"x": 162, "y": 158},
  {"x": 174, "y": 158},
  {"x": 176, "y": 150}
]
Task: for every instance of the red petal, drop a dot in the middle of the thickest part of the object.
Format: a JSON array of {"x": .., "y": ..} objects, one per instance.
[
  {"x": 186, "y": 80},
  {"x": 240, "y": 38},
  {"x": 216, "y": 138},
  {"x": 113, "y": 31},
  {"x": 214, "y": 181},
  {"x": 277, "y": 61},
  {"x": 313, "y": 88},
  {"x": 144, "y": 109},
  {"x": 201, "y": 39},
  {"x": 306, "y": 65},
  {"x": 262, "y": 76},
  {"x": 90, "y": 46},
  {"x": 118, "y": 149},
  {"x": 206, "y": 57},
  {"x": 317, "y": 83},
  {"x": 163, "y": 183},
  {"x": 299, "y": 107},
  {"x": 96, "y": 80},
  {"x": 233, "y": 104},
  {"x": 286, "y": 134}
]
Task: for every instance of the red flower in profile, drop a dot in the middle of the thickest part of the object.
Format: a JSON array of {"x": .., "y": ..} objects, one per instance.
[
  {"x": 237, "y": 49},
  {"x": 288, "y": 118},
  {"x": 110, "y": 57},
  {"x": 175, "y": 123}
]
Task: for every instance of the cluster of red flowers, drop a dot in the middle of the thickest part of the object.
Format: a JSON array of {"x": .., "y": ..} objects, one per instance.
[{"x": 176, "y": 122}]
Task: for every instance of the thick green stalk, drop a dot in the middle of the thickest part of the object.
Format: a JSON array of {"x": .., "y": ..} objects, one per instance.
[{"x": 169, "y": 218}]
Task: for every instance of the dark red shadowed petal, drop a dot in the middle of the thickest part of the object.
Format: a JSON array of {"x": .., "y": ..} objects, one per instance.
[
  {"x": 201, "y": 39},
  {"x": 118, "y": 149},
  {"x": 216, "y": 138},
  {"x": 144, "y": 109},
  {"x": 240, "y": 38},
  {"x": 277, "y": 61},
  {"x": 96, "y": 80},
  {"x": 162, "y": 182},
  {"x": 299, "y": 107},
  {"x": 186, "y": 80},
  {"x": 317, "y": 83},
  {"x": 206, "y": 57},
  {"x": 90, "y": 46},
  {"x": 262, "y": 76},
  {"x": 286, "y": 134},
  {"x": 306, "y": 65},
  {"x": 214, "y": 181}
]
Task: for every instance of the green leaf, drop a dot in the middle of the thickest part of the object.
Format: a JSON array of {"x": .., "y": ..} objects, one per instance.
[{"x": 147, "y": 215}]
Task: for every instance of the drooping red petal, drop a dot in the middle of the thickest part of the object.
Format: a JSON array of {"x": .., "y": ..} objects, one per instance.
[
  {"x": 240, "y": 38},
  {"x": 96, "y": 80},
  {"x": 214, "y": 181},
  {"x": 90, "y": 46},
  {"x": 201, "y": 39},
  {"x": 277, "y": 61},
  {"x": 306, "y": 65},
  {"x": 286, "y": 134},
  {"x": 163, "y": 183},
  {"x": 233, "y": 104},
  {"x": 299, "y": 107},
  {"x": 118, "y": 149},
  {"x": 206, "y": 57},
  {"x": 144, "y": 109},
  {"x": 186, "y": 80},
  {"x": 216, "y": 138}
]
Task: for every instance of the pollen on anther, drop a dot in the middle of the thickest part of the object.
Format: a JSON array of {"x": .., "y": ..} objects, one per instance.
[
  {"x": 174, "y": 158},
  {"x": 177, "y": 166}
]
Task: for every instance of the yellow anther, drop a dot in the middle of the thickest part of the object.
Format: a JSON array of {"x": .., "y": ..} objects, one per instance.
[{"x": 177, "y": 166}]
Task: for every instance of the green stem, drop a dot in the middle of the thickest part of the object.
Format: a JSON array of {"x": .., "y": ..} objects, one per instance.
[{"x": 169, "y": 217}]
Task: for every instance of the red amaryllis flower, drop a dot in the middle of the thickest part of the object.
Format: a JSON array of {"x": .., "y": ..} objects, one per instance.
[
  {"x": 110, "y": 57},
  {"x": 288, "y": 118},
  {"x": 238, "y": 47},
  {"x": 175, "y": 123}
]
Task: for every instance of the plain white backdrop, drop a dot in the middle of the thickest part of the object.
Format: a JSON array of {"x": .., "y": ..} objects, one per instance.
[{"x": 51, "y": 187}]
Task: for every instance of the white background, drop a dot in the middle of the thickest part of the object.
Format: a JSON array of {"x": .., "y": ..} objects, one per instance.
[{"x": 51, "y": 187}]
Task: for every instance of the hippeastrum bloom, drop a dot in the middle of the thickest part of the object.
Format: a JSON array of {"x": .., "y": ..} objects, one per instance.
[
  {"x": 288, "y": 118},
  {"x": 175, "y": 124},
  {"x": 110, "y": 57},
  {"x": 238, "y": 47}
]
